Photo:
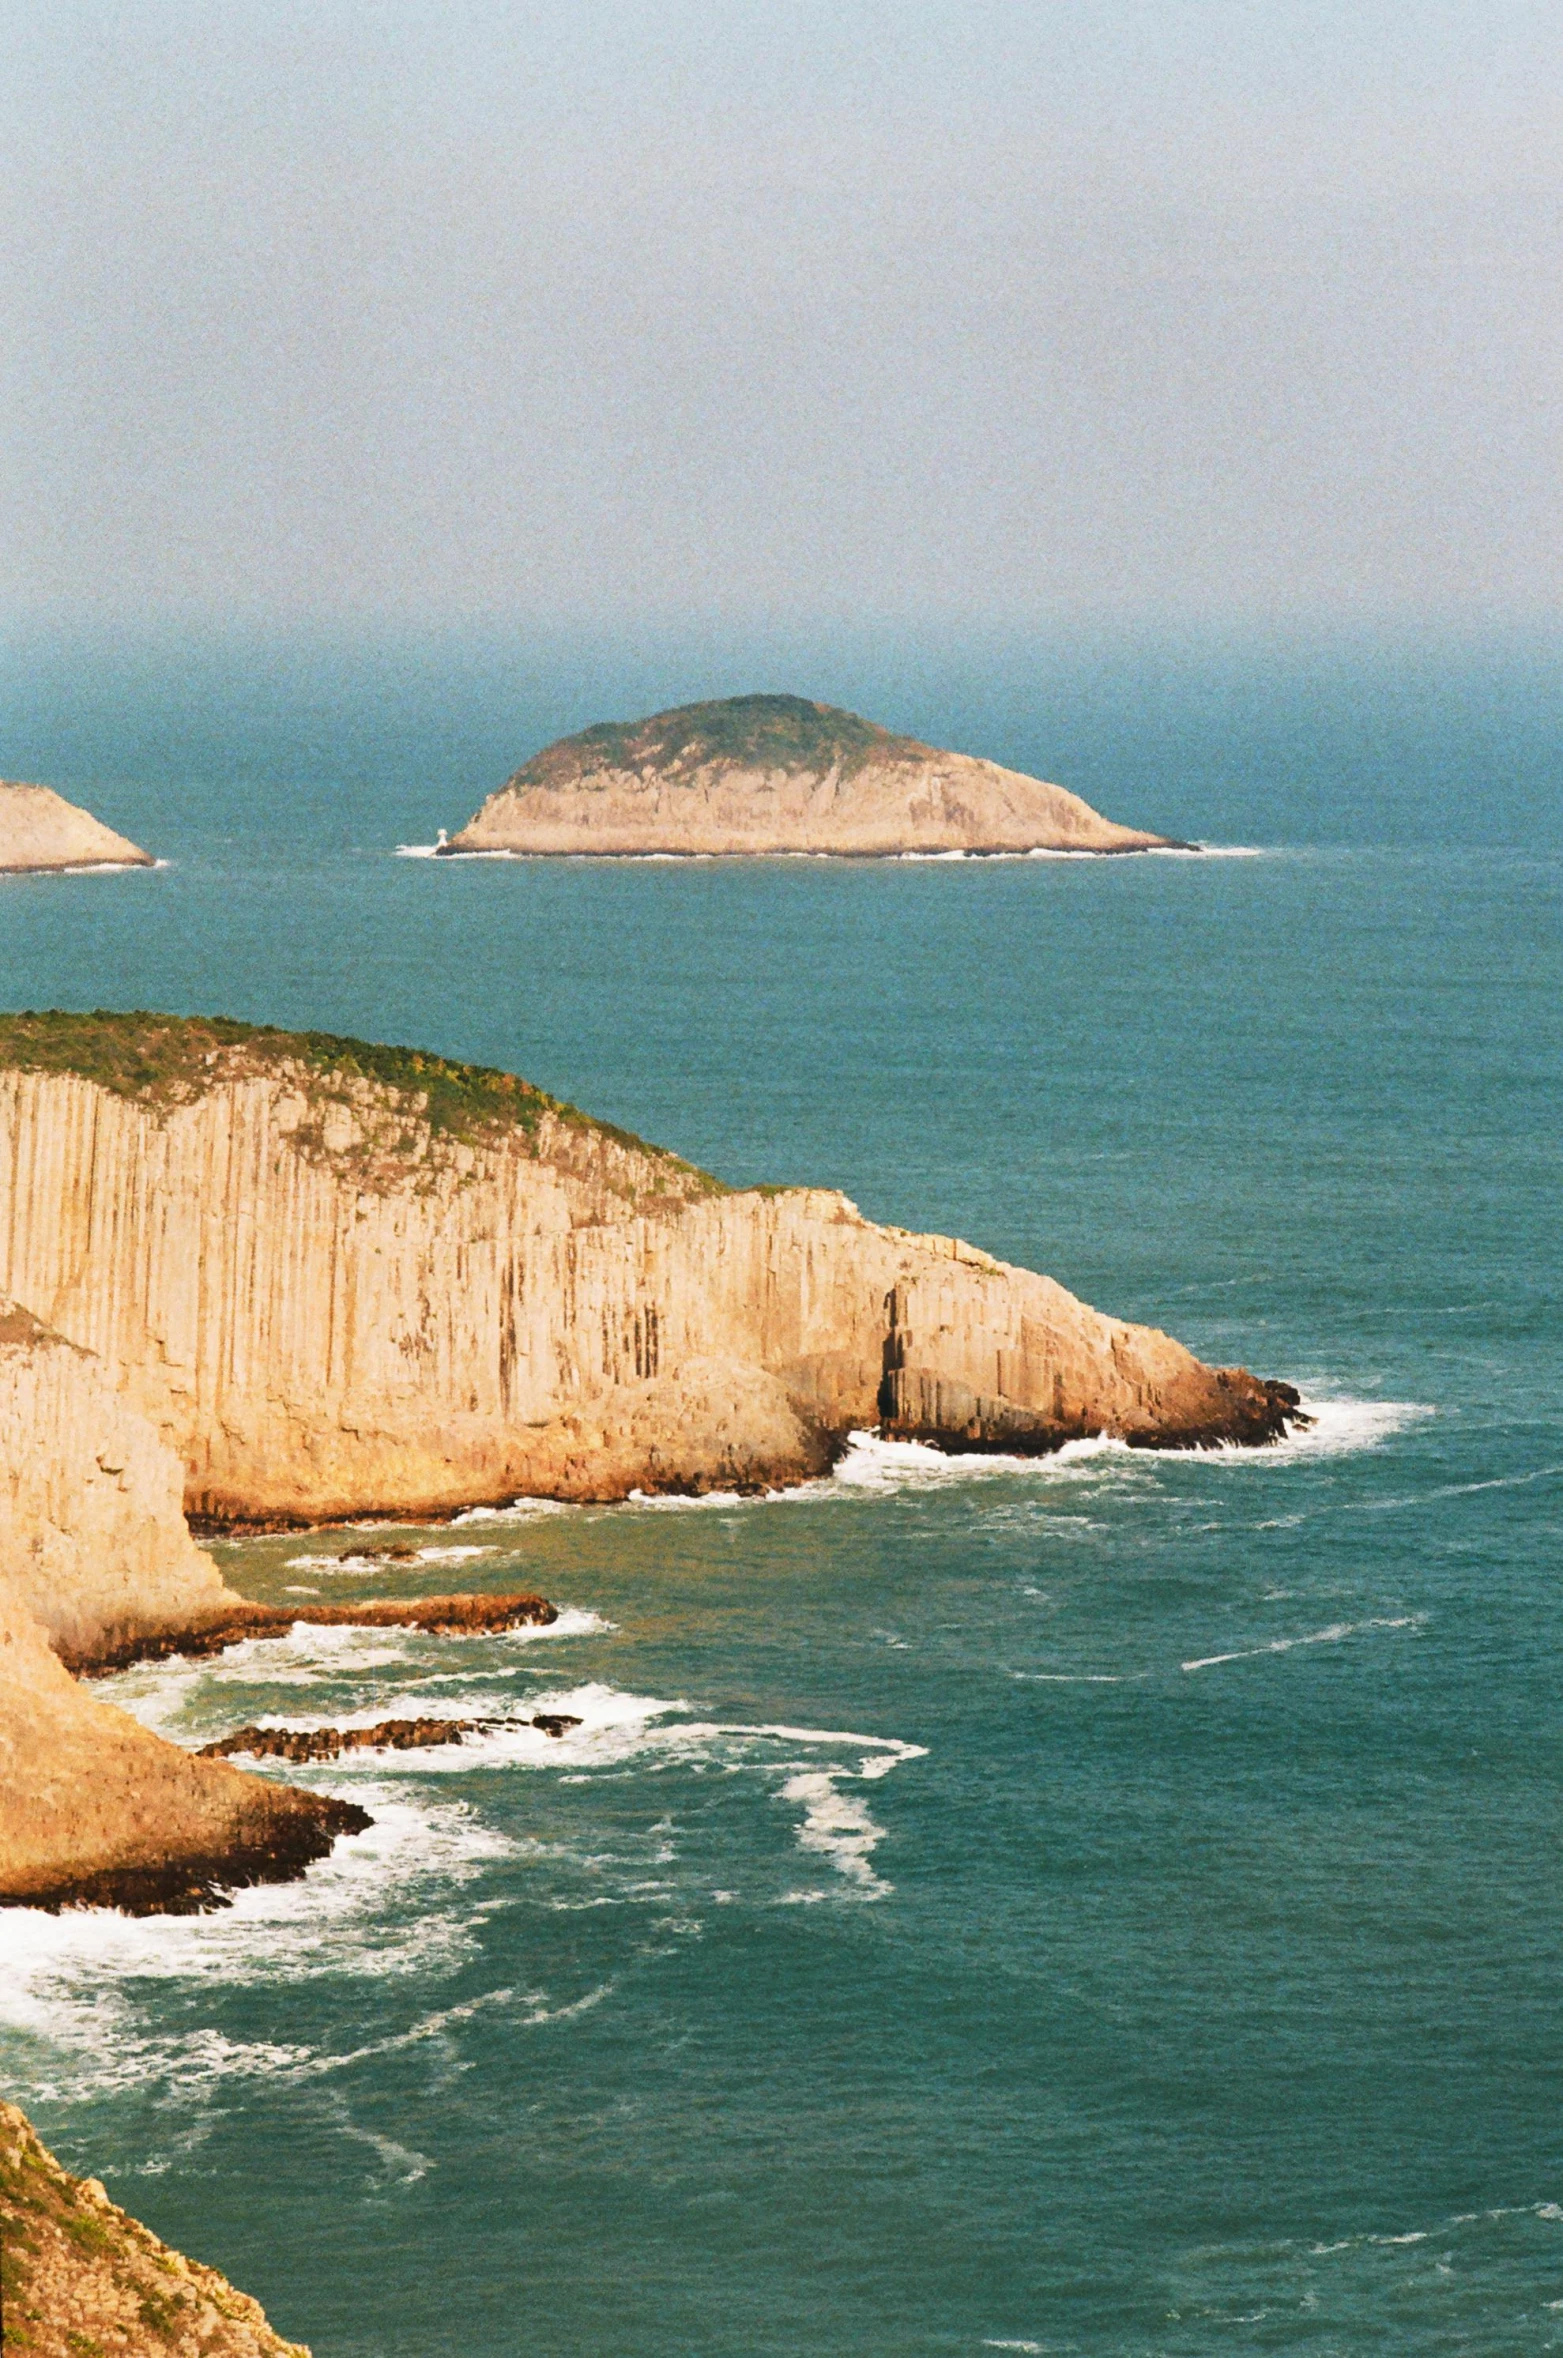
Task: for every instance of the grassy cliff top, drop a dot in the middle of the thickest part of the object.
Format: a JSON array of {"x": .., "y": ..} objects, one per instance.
[
  {"x": 171, "y": 1059},
  {"x": 749, "y": 732}
]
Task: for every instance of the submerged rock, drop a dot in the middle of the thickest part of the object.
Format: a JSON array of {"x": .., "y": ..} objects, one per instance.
[{"x": 766, "y": 774}]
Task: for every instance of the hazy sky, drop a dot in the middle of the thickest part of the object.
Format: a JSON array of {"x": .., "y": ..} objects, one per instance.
[{"x": 576, "y": 308}]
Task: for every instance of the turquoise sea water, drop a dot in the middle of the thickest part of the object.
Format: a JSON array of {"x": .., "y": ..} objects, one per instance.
[{"x": 1108, "y": 1906}]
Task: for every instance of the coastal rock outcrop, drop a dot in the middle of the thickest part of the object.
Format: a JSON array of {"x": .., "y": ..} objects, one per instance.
[
  {"x": 40, "y": 830},
  {"x": 767, "y": 774},
  {"x": 93, "y": 1539},
  {"x": 81, "y": 2276},
  {"x": 93, "y": 1547},
  {"x": 341, "y": 1279}
]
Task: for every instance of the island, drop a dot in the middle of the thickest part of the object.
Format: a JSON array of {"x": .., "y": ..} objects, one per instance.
[
  {"x": 761, "y": 775},
  {"x": 260, "y": 1279},
  {"x": 40, "y": 832}
]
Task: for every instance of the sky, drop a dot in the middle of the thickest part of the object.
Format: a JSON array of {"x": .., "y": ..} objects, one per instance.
[{"x": 957, "y": 310}]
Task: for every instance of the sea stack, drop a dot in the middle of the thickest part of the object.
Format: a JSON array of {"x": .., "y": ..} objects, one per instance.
[
  {"x": 41, "y": 831},
  {"x": 774, "y": 774}
]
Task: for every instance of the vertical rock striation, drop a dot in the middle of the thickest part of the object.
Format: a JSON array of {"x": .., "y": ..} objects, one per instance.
[{"x": 334, "y": 1291}]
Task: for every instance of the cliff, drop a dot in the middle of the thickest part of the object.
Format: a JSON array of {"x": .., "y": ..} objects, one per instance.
[
  {"x": 94, "y": 1807},
  {"x": 759, "y": 774},
  {"x": 340, "y": 1280},
  {"x": 79, "y": 2275},
  {"x": 40, "y": 829}
]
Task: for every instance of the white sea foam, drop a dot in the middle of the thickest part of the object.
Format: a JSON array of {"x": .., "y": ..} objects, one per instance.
[
  {"x": 1338, "y": 1426},
  {"x": 67, "y": 1978},
  {"x": 163, "y": 1694},
  {"x": 871, "y": 1465},
  {"x": 390, "y": 1902},
  {"x": 370, "y": 1562},
  {"x": 109, "y": 868},
  {"x": 613, "y": 1726},
  {"x": 1151, "y": 851},
  {"x": 1337, "y": 1631},
  {"x": 520, "y": 1510},
  {"x": 1385, "y": 1506},
  {"x": 1072, "y": 1678},
  {"x": 838, "y": 1827}
]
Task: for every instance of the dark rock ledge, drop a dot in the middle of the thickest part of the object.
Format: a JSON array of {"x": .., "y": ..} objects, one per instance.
[
  {"x": 461, "y": 1616},
  {"x": 388, "y": 1735}
]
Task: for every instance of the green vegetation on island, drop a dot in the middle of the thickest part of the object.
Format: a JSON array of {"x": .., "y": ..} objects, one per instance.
[{"x": 758, "y": 732}]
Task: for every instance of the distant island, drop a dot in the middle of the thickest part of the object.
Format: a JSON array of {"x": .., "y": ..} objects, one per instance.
[
  {"x": 768, "y": 774},
  {"x": 40, "y": 831}
]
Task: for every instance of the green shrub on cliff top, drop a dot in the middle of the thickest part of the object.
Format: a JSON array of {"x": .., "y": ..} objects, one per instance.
[{"x": 172, "y": 1058}]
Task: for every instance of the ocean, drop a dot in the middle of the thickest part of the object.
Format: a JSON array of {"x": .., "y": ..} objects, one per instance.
[{"x": 1108, "y": 1905}]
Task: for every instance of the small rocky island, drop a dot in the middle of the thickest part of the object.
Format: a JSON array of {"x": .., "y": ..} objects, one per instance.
[
  {"x": 767, "y": 774},
  {"x": 40, "y": 831}
]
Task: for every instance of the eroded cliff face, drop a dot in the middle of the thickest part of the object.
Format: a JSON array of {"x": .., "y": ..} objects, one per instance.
[
  {"x": 943, "y": 802},
  {"x": 93, "y": 1539},
  {"x": 762, "y": 774},
  {"x": 327, "y": 1306},
  {"x": 94, "y": 1807}
]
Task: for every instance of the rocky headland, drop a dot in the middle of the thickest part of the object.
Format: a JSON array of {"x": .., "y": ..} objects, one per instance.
[
  {"x": 265, "y": 1279},
  {"x": 40, "y": 830},
  {"x": 97, "y": 1570},
  {"x": 347, "y": 1281},
  {"x": 79, "y": 2276},
  {"x": 769, "y": 774}
]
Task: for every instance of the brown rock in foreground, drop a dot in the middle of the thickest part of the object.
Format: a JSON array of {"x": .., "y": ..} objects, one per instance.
[
  {"x": 81, "y": 2277},
  {"x": 347, "y": 1280},
  {"x": 766, "y": 774},
  {"x": 40, "y": 830}
]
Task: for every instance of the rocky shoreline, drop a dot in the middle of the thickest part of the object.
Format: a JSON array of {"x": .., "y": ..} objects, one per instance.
[
  {"x": 387, "y": 1735},
  {"x": 193, "y": 1884}
]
